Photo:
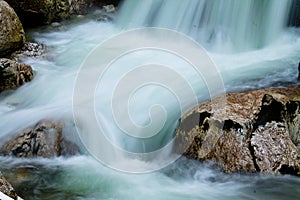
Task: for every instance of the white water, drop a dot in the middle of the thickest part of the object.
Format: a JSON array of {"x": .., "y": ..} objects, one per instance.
[
  {"x": 49, "y": 95},
  {"x": 219, "y": 25}
]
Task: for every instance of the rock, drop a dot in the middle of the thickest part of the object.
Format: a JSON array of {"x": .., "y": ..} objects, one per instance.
[
  {"x": 101, "y": 3},
  {"x": 259, "y": 132},
  {"x": 12, "y": 35},
  {"x": 43, "y": 140},
  {"x": 109, "y": 8},
  {"x": 104, "y": 18},
  {"x": 37, "y": 12},
  {"x": 274, "y": 151},
  {"x": 13, "y": 74},
  {"x": 80, "y": 7},
  {"x": 29, "y": 49},
  {"x": 6, "y": 188}
]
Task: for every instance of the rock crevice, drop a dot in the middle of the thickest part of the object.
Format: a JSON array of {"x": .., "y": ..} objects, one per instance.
[{"x": 258, "y": 133}]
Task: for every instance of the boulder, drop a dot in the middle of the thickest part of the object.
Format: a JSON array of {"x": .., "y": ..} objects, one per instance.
[
  {"x": 12, "y": 35},
  {"x": 37, "y": 12},
  {"x": 45, "y": 140},
  {"x": 13, "y": 74},
  {"x": 6, "y": 188},
  {"x": 257, "y": 132}
]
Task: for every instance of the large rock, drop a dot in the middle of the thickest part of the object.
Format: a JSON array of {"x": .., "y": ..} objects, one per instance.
[
  {"x": 258, "y": 132},
  {"x": 13, "y": 74},
  {"x": 12, "y": 35},
  {"x": 6, "y": 188},
  {"x": 36, "y": 12},
  {"x": 43, "y": 140}
]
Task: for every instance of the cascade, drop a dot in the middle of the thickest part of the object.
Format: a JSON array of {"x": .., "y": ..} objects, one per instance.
[{"x": 222, "y": 26}]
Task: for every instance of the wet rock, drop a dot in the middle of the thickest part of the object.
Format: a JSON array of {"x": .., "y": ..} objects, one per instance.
[
  {"x": 12, "y": 35},
  {"x": 104, "y": 18},
  {"x": 274, "y": 150},
  {"x": 37, "y": 12},
  {"x": 109, "y": 8},
  {"x": 80, "y": 7},
  {"x": 259, "y": 132},
  {"x": 101, "y": 3},
  {"x": 6, "y": 188},
  {"x": 13, "y": 74},
  {"x": 43, "y": 140},
  {"x": 29, "y": 49}
]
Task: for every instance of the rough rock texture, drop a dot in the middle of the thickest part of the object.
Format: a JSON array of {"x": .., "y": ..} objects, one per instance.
[
  {"x": 259, "y": 132},
  {"x": 29, "y": 49},
  {"x": 80, "y": 7},
  {"x": 6, "y": 188},
  {"x": 44, "y": 140},
  {"x": 12, "y": 35},
  {"x": 13, "y": 74},
  {"x": 37, "y": 12}
]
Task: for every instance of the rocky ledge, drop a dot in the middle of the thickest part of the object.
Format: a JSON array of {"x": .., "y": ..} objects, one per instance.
[
  {"x": 258, "y": 132},
  {"x": 13, "y": 74},
  {"x": 45, "y": 139},
  {"x": 6, "y": 188}
]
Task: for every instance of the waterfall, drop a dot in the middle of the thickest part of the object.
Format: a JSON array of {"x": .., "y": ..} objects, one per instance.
[{"x": 219, "y": 25}]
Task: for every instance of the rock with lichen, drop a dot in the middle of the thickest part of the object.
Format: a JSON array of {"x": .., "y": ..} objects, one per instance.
[
  {"x": 13, "y": 74},
  {"x": 256, "y": 131},
  {"x": 36, "y": 12},
  {"x": 45, "y": 140},
  {"x": 12, "y": 35},
  {"x": 6, "y": 188}
]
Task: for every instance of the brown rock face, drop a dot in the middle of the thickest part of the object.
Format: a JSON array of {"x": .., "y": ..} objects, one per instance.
[
  {"x": 259, "y": 132},
  {"x": 12, "y": 35},
  {"x": 13, "y": 74},
  {"x": 44, "y": 140},
  {"x": 6, "y": 188},
  {"x": 35, "y": 12}
]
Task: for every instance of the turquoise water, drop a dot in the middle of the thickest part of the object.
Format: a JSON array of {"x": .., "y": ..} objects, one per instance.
[
  {"x": 84, "y": 178},
  {"x": 49, "y": 96}
]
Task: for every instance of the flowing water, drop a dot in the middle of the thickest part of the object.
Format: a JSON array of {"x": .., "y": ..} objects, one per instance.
[{"x": 251, "y": 48}]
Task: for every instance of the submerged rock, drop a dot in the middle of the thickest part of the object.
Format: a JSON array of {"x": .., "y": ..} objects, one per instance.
[
  {"x": 29, "y": 49},
  {"x": 12, "y": 35},
  {"x": 6, "y": 188},
  {"x": 13, "y": 74},
  {"x": 43, "y": 140},
  {"x": 259, "y": 132}
]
